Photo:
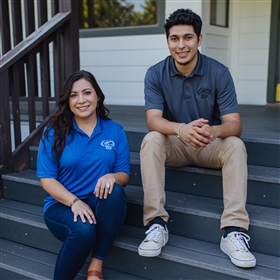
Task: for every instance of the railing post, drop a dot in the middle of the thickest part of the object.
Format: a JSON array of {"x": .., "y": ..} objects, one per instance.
[
  {"x": 63, "y": 31},
  {"x": 1, "y": 183},
  {"x": 71, "y": 36},
  {"x": 5, "y": 21},
  {"x": 5, "y": 122}
]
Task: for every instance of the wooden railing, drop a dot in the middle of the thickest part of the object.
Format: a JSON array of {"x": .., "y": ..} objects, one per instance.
[{"x": 33, "y": 67}]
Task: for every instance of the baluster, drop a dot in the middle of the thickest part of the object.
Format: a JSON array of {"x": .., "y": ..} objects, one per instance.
[{"x": 5, "y": 26}]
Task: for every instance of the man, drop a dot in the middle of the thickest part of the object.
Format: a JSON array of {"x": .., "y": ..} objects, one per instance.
[{"x": 186, "y": 97}]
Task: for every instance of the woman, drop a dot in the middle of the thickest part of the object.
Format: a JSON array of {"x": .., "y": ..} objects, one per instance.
[{"x": 83, "y": 164}]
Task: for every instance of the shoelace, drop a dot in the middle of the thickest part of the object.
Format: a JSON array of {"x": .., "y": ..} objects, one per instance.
[
  {"x": 241, "y": 241},
  {"x": 154, "y": 232}
]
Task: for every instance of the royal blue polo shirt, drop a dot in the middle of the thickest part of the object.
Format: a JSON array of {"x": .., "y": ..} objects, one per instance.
[
  {"x": 208, "y": 92},
  {"x": 84, "y": 159}
]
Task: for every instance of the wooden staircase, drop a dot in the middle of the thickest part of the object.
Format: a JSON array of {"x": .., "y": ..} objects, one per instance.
[{"x": 194, "y": 202}]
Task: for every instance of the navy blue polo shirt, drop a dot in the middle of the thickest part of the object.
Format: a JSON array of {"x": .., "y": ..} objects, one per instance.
[
  {"x": 208, "y": 92},
  {"x": 85, "y": 159}
]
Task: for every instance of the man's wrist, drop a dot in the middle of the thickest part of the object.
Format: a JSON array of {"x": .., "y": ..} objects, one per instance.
[{"x": 178, "y": 130}]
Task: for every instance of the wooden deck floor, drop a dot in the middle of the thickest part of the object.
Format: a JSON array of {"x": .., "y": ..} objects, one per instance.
[{"x": 259, "y": 122}]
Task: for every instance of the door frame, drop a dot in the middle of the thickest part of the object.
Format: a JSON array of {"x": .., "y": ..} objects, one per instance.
[{"x": 274, "y": 52}]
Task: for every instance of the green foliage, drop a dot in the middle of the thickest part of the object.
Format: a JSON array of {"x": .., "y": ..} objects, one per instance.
[{"x": 116, "y": 13}]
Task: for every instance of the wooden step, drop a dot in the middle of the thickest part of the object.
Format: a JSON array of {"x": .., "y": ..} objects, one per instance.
[
  {"x": 182, "y": 256},
  {"x": 24, "y": 186},
  {"x": 194, "y": 202},
  {"x": 190, "y": 215},
  {"x": 260, "y": 152},
  {"x": 18, "y": 261},
  {"x": 186, "y": 258},
  {"x": 263, "y": 182}
]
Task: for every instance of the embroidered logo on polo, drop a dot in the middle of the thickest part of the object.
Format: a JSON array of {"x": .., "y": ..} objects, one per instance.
[
  {"x": 108, "y": 144},
  {"x": 204, "y": 93}
]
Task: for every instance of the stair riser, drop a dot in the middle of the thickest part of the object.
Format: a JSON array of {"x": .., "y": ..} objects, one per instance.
[
  {"x": 207, "y": 185},
  {"x": 10, "y": 275},
  {"x": 259, "y": 193},
  {"x": 263, "y": 154},
  {"x": 29, "y": 235},
  {"x": 22, "y": 192}
]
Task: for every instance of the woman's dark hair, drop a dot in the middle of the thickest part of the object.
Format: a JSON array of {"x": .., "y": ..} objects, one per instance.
[
  {"x": 183, "y": 16},
  {"x": 61, "y": 119}
]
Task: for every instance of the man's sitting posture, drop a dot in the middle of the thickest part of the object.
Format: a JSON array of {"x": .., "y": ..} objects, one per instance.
[{"x": 193, "y": 118}]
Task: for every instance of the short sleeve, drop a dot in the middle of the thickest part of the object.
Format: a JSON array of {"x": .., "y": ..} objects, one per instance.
[
  {"x": 226, "y": 97},
  {"x": 153, "y": 91},
  {"x": 122, "y": 161},
  {"x": 46, "y": 167}
]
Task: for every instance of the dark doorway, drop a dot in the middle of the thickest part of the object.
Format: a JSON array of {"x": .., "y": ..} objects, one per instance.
[{"x": 273, "y": 85}]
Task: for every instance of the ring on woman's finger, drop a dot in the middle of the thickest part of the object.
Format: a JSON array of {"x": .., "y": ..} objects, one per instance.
[{"x": 108, "y": 185}]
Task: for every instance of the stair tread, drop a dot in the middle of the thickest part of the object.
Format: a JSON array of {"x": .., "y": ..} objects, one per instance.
[
  {"x": 22, "y": 259},
  {"x": 201, "y": 254},
  {"x": 27, "y": 176},
  {"x": 179, "y": 249},
  {"x": 179, "y": 202},
  {"x": 24, "y": 267},
  {"x": 185, "y": 203},
  {"x": 22, "y": 213},
  {"x": 21, "y": 206}
]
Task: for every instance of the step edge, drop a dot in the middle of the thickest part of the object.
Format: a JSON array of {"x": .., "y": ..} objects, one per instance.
[
  {"x": 22, "y": 221},
  {"x": 10, "y": 177},
  {"x": 195, "y": 263},
  {"x": 178, "y": 209},
  {"x": 47, "y": 264},
  {"x": 190, "y": 169},
  {"x": 22, "y": 272},
  {"x": 260, "y": 140}
]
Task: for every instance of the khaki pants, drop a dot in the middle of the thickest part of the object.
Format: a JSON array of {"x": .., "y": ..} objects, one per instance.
[{"x": 158, "y": 150}]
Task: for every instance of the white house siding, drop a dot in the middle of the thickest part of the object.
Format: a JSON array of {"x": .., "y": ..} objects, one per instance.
[
  {"x": 215, "y": 42},
  {"x": 250, "y": 49},
  {"x": 194, "y": 5},
  {"x": 120, "y": 63}
]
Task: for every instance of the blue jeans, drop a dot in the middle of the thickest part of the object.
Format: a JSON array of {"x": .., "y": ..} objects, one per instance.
[{"x": 80, "y": 238}]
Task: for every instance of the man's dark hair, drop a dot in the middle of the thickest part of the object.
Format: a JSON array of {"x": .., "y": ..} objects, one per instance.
[{"x": 183, "y": 16}]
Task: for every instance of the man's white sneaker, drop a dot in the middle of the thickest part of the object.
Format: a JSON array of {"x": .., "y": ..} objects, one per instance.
[
  {"x": 157, "y": 237},
  {"x": 236, "y": 245}
]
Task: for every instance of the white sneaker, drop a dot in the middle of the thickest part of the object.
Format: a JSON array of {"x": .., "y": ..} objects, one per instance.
[
  {"x": 157, "y": 237},
  {"x": 236, "y": 245}
]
